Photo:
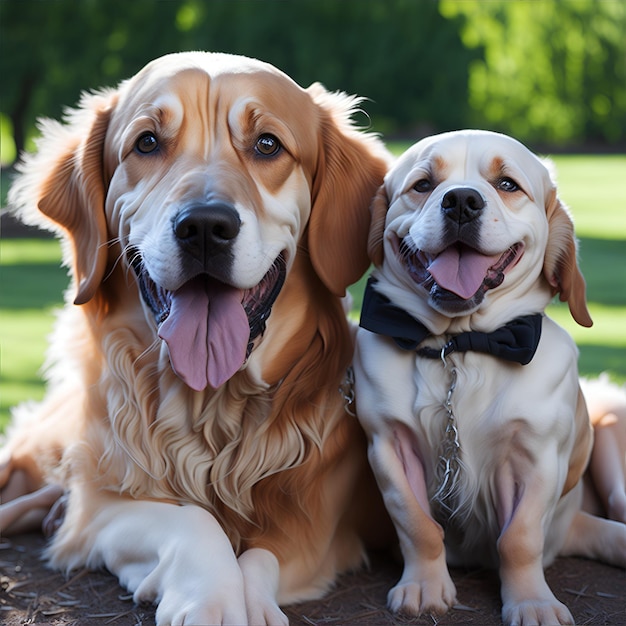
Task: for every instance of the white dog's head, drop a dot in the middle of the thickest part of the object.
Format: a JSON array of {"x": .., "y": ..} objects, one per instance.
[{"x": 470, "y": 222}]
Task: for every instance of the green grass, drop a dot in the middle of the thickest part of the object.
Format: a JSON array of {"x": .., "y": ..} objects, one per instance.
[
  {"x": 5, "y": 181},
  {"x": 32, "y": 283},
  {"x": 594, "y": 188}
]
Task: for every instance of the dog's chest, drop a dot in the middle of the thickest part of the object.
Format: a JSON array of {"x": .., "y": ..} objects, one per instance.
[
  {"x": 455, "y": 419},
  {"x": 457, "y": 395}
]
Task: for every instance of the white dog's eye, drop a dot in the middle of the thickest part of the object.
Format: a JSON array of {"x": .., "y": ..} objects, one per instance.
[
  {"x": 267, "y": 145},
  {"x": 507, "y": 184},
  {"x": 423, "y": 186},
  {"x": 147, "y": 143}
]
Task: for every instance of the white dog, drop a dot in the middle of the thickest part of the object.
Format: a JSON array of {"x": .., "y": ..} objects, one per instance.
[{"x": 469, "y": 393}]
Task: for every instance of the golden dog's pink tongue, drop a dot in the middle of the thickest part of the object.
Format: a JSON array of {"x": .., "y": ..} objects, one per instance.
[
  {"x": 461, "y": 270},
  {"x": 207, "y": 333}
]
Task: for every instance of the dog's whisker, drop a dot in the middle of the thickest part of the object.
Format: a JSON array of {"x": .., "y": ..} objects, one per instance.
[{"x": 118, "y": 260}]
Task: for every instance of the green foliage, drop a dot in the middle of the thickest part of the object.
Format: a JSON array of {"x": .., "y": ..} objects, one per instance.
[
  {"x": 7, "y": 144},
  {"x": 385, "y": 51},
  {"x": 544, "y": 71},
  {"x": 374, "y": 49},
  {"x": 52, "y": 50},
  {"x": 550, "y": 71}
]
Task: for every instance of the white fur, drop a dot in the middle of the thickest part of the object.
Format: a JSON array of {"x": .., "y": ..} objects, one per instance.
[{"x": 520, "y": 427}]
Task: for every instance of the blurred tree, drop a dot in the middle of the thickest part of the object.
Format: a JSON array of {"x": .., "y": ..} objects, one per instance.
[
  {"x": 386, "y": 51},
  {"x": 53, "y": 49},
  {"x": 551, "y": 71}
]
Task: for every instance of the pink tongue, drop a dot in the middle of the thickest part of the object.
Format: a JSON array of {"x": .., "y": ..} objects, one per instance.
[
  {"x": 461, "y": 270},
  {"x": 207, "y": 333}
]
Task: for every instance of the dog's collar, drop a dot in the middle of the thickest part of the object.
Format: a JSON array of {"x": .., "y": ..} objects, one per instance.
[{"x": 516, "y": 341}]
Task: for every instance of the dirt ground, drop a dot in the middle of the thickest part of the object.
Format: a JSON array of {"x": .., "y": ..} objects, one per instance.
[{"x": 32, "y": 594}]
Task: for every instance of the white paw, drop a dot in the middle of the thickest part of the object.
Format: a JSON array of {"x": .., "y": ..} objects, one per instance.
[
  {"x": 266, "y": 615},
  {"x": 179, "y": 608},
  {"x": 261, "y": 573},
  {"x": 424, "y": 594},
  {"x": 549, "y": 612}
]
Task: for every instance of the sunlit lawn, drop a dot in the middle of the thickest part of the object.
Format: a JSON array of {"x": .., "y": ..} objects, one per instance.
[{"x": 31, "y": 282}]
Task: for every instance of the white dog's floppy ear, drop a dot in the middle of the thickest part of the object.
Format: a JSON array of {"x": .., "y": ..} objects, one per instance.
[
  {"x": 378, "y": 210},
  {"x": 561, "y": 264},
  {"x": 62, "y": 188},
  {"x": 351, "y": 165}
]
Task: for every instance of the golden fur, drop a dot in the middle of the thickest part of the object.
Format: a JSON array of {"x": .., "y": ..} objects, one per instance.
[{"x": 271, "y": 453}]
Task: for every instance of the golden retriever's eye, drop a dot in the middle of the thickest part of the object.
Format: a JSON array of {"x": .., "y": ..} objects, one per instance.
[
  {"x": 508, "y": 185},
  {"x": 147, "y": 143},
  {"x": 423, "y": 186},
  {"x": 267, "y": 145}
]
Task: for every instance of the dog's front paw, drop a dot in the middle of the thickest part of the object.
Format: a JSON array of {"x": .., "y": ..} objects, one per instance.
[
  {"x": 266, "y": 613},
  {"x": 425, "y": 591},
  {"x": 536, "y": 612},
  {"x": 261, "y": 573},
  {"x": 202, "y": 607}
]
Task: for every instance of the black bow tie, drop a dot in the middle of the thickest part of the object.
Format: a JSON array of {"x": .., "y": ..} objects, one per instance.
[{"x": 516, "y": 341}]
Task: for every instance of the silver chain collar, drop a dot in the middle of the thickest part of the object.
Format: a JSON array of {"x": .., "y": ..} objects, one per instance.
[
  {"x": 449, "y": 465},
  {"x": 346, "y": 389}
]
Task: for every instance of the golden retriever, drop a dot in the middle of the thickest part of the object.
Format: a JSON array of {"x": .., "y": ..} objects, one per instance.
[
  {"x": 212, "y": 213},
  {"x": 478, "y": 432}
]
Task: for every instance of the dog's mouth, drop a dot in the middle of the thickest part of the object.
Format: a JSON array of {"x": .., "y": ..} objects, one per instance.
[
  {"x": 209, "y": 326},
  {"x": 459, "y": 276}
]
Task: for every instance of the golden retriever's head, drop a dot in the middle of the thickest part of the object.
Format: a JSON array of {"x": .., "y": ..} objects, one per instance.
[
  {"x": 205, "y": 173},
  {"x": 469, "y": 219}
]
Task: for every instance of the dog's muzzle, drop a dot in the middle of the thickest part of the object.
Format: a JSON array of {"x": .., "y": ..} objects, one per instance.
[{"x": 209, "y": 326}]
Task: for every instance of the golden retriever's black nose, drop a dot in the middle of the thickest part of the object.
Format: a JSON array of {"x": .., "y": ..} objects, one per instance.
[
  {"x": 462, "y": 204},
  {"x": 207, "y": 228}
]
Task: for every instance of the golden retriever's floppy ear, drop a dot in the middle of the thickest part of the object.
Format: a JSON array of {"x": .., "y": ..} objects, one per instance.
[
  {"x": 351, "y": 165},
  {"x": 560, "y": 265},
  {"x": 62, "y": 188},
  {"x": 378, "y": 210}
]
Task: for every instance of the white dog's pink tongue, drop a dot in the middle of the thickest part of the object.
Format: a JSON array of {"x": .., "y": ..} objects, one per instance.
[
  {"x": 461, "y": 270},
  {"x": 207, "y": 333}
]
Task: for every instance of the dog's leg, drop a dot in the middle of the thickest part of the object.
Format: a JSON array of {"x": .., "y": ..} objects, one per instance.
[
  {"x": 261, "y": 580},
  {"x": 383, "y": 405},
  {"x": 523, "y": 494},
  {"x": 177, "y": 556},
  {"x": 27, "y": 512},
  {"x": 608, "y": 462},
  {"x": 596, "y": 538},
  {"x": 425, "y": 586},
  {"x": 606, "y": 403}
]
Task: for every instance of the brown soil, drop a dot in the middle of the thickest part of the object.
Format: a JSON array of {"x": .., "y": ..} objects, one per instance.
[{"x": 32, "y": 594}]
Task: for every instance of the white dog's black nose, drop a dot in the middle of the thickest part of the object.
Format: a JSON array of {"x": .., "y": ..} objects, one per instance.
[
  {"x": 204, "y": 229},
  {"x": 462, "y": 204}
]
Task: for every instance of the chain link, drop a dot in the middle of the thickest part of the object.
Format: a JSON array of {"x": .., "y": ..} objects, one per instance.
[
  {"x": 449, "y": 465},
  {"x": 346, "y": 389}
]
